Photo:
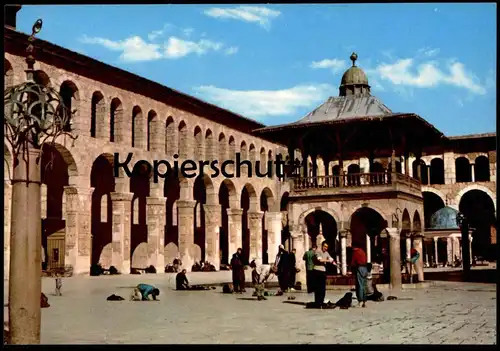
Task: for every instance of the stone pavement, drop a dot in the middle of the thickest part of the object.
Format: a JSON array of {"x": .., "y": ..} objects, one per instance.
[{"x": 445, "y": 313}]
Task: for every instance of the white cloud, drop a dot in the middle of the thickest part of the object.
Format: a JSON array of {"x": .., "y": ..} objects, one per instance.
[
  {"x": 231, "y": 50},
  {"x": 159, "y": 33},
  {"x": 257, "y": 14},
  {"x": 262, "y": 103},
  {"x": 429, "y": 75},
  {"x": 188, "y": 31},
  {"x": 429, "y": 52},
  {"x": 334, "y": 64},
  {"x": 176, "y": 48},
  {"x": 133, "y": 49}
]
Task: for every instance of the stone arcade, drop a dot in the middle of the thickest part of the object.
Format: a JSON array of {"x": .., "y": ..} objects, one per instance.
[{"x": 366, "y": 176}]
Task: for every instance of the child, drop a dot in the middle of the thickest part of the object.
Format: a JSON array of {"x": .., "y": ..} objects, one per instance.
[
  {"x": 259, "y": 277},
  {"x": 58, "y": 285}
]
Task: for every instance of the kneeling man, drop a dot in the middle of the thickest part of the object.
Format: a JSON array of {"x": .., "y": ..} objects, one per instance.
[
  {"x": 260, "y": 275},
  {"x": 142, "y": 292}
]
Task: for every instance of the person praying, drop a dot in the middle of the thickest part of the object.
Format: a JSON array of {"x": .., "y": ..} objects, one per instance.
[
  {"x": 142, "y": 292},
  {"x": 181, "y": 281}
]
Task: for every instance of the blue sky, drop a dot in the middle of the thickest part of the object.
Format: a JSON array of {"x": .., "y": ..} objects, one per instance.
[{"x": 275, "y": 63}]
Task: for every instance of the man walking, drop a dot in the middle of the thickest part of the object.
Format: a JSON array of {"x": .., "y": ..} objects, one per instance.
[
  {"x": 360, "y": 272},
  {"x": 308, "y": 258}
]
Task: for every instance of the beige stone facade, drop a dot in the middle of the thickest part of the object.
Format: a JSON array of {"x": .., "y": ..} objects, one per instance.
[{"x": 118, "y": 221}]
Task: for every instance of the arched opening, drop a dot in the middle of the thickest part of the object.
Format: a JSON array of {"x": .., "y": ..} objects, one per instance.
[
  {"x": 377, "y": 168},
  {"x": 432, "y": 203},
  {"x": 209, "y": 146},
  {"x": 424, "y": 179},
  {"x": 378, "y": 177},
  {"x": 405, "y": 230},
  {"x": 55, "y": 177},
  {"x": 41, "y": 78},
  {"x": 366, "y": 226},
  {"x": 353, "y": 178},
  {"x": 202, "y": 186},
  {"x": 115, "y": 119},
  {"x": 139, "y": 186},
  {"x": 417, "y": 223},
  {"x": 285, "y": 230},
  {"x": 137, "y": 127},
  {"x": 227, "y": 192},
  {"x": 463, "y": 171},
  {"x": 248, "y": 196},
  {"x": 198, "y": 147},
  {"x": 437, "y": 171},
  {"x": 322, "y": 223},
  {"x": 222, "y": 148},
  {"x": 252, "y": 153},
  {"x": 152, "y": 131},
  {"x": 482, "y": 169},
  {"x": 266, "y": 202},
  {"x": 103, "y": 181},
  {"x": 8, "y": 74},
  {"x": 97, "y": 114},
  {"x": 232, "y": 148},
  {"x": 262, "y": 158},
  {"x": 479, "y": 209},
  {"x": 170, "y": 137},
  {"x": 70, "y": 97},
  {"x": 172, "y": 191},
  {"x": 183, "y": 140}
]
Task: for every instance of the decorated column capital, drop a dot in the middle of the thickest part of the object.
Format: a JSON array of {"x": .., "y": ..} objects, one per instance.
[
  {"x": 233, "y": 212},
  {"x": 393, "y": 232},
  {"x": 343, "y": 233},
  {"x": 185, "y": 204},
  {"x": 255, "y": 215},
  {"x": 121, "y": 196},
  {"x": 435, "y": 239}
]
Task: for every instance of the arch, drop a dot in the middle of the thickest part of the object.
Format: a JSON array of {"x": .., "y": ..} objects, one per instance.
[
  {"x": 435, "y": 191},
  {"x": 182, "y": 139},
  {"x": 172, "y": 191},
  {"x": 203, "y": 193},
  {"x": 103, "y": 181},
  {"x": 71, "y": 98},
  {"x": 482, "y": 188},
  {"x": 116, "y": 119},
  {"x": 433, "y": 201},
  {"x": 248, "y": 203},
  {"x": 198, "y": 147},
  {"x": 68, "y": 158},
  {"x": 284, "y": 201},
  {"x": 423, "y": 171},
  {"x": 209, "y": 146},
  {"x": 405, "y": 222},
  {"x": 243, "y": 150},
  {"x": 417, "y": 223},
  {"x": 482, "y": 169},
  {"x": 170, "y": 136},
  {"x": 266, "y": 205},
  {"x": 319, "y": 222},
  {"x": 310, "y": 210},
  {"x": 97, "y": 115},
  {"x": 480, "y": 211},
  {"x": 227, "y": 199},
  {"x": 377, "y": 167},
  {"x": 223, "y": 147},
  {"x": 268, "y": 196},
  {"x": 436, "y": 171},
  {"x": 463, "y": 171},
  {"x": 42, "y": 78},
  {"x": 232, "y": 147},
  {"x": 137, "y": 127},
  {"x": 8, "y": 74},
  {"x": 152, "y": 131},
  {"x": 353, "y": 178}
]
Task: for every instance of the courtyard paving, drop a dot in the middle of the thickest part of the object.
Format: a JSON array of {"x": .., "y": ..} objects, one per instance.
[{"x": 444, "y": 313}]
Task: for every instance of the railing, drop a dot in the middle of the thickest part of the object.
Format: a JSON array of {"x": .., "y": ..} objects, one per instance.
[{"x": 353, "y": 180}]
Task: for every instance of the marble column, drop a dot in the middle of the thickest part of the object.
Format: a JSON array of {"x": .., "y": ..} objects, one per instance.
[
  {"x": 343, "y": 251},
  {"x": 78, "y": 236},
  {"x": 456, "y": 248},
  {"x": 212, "y": 227},
  {"x": 273, "y": 234},
  {"x": 234, "y": 226},
  {"x": 395, "y": 257},
  {"x": 7, "y": 206},
  {"x": 449, "y": 250},
  {"x": 185, "y": 210},
  {"x": 470, "y": 248},
  {"x": 155, "y": 220},
  {"x": 436, "y": 257},
  {"x": 408, "y": 246},
  {"x": 255, "y": 228},
  {"x": 368, "y": 248},
  {"x": 298, "y": 245},
  {"x": 419, "y": 265},
  {"x": 472, "y": 172},
  {"x": 120, "y": 257}
]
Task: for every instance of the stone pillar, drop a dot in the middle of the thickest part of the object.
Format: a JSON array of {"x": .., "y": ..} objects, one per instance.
[
  {"x": 120, "y": 257},
  {"x": 255, "y": 227},
  {"x": 78, "y": 240},
  {"x": 185, "y": 210},
  {"x": 234, "y": 226},
  {"x": 418, "y": 245},
  {"x": 368, "y": 248},
  {"x": 7, "y": 208},
  {"x": 298, "y": 245},
  {"x": 449, "y": 250},
  {"x": 436, "y": 258},
  {"x": 472, "y": 172},
  {"x": 212, "y": 226},
  {"x": 395, "y": 257},
  {"x": 273, "y": 234},
  {"x": 428, "y": 174},
  {"x": 25, "y": 284},
  {"x": 456, "y": 248},
  {"x": 470, "y": 249},
  {"x": 155, "y": 219},
  {"x": 449, "y": 168},
  {"x": 408, "y": 246},
  {"x": 343, "y": 251}
]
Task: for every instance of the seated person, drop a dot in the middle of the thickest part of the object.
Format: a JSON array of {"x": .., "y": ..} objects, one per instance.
[
  {"x": 143, "y": 291},
  {"x": 181, "y": 282}
]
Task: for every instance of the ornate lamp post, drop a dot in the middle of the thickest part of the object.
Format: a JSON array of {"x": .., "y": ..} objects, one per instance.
[
  {"x": 34, "y": 115},
  {"x": 463, "y": 223}
]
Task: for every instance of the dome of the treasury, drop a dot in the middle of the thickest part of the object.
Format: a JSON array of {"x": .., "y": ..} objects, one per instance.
[
  {"x": 354, "y": 75},
  {"x": 445, "y": 218}
]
